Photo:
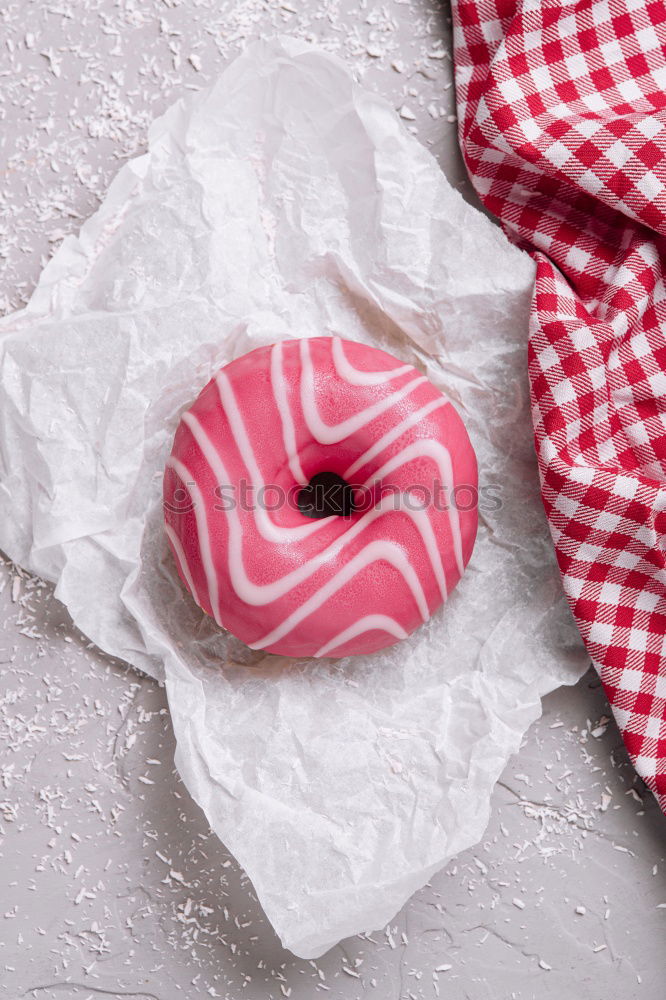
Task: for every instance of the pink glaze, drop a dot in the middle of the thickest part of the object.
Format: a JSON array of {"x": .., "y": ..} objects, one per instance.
[{"x": 337, "y": 586}]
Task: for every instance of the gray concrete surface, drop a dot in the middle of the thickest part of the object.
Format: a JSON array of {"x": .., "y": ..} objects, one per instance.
[{"x": 111, "y": 883}]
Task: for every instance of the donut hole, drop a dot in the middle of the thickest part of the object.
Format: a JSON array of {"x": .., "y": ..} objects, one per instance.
[{"x": 326, "y": 495}]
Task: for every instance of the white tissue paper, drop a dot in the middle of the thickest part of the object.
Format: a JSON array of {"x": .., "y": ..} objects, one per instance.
[{"x": 286, "y": 201}]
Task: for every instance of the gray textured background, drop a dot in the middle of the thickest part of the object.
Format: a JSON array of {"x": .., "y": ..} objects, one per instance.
[{"x": 111, "y": 883}]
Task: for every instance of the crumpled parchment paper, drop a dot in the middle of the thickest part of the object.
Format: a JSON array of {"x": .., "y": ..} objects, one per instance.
[{"x": 287, "y": 201}]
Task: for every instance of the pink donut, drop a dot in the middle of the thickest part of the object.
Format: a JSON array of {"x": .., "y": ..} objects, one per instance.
[{"x": 320, "y": 498}]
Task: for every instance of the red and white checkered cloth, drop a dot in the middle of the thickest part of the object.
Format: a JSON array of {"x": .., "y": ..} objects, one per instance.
[{"x": 562, "y": 122}]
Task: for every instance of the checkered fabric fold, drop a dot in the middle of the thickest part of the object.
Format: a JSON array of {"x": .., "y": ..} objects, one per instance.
[{"x": 562, "y": 123}]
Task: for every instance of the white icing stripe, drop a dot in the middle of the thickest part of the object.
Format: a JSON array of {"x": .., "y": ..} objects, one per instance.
[
  {"x": 288, "y": 432},
  {"x": 182, "y": 561},
  {"x": 267, "y": 528},
  {"x": 392, "y": 435},
  {"x": 427, "y": 448},
  {"x": 355, "y": 377},
  {"x": 422, "y": 522},
  {"x": 373, "y": 552},
  {"x": 381, "y": 623},
  {"x": 203, "y": 533},
  {"x": 332, "y": 434}
]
